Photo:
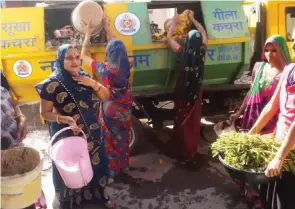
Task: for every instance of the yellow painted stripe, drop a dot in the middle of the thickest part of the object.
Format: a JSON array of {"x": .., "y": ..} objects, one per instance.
[
  {"x": 101, "y": 48},
  {"x": 229, "y": 40}
]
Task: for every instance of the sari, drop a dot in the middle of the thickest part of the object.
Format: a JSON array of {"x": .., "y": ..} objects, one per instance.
[
  {"x": 115, "y": 112},
  {"x": 188, "y": 95},
  {"x": 74, "y": 100},
  {"x": 263, "y": 87}
]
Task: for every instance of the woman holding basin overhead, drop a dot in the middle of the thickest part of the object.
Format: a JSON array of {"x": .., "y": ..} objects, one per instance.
[
  {"x": 116, "y": 111},
  {"x": 188, "y": 101}
]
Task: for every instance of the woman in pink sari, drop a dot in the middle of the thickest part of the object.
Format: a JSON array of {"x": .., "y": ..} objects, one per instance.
[{"x": 266, "y": 75}]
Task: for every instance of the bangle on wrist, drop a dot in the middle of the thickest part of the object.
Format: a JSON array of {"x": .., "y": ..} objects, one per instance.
[
  {"x": 20, "y": 116},
  {"x": 57, "y": 119},
  {"x": 97, "y": 87}
]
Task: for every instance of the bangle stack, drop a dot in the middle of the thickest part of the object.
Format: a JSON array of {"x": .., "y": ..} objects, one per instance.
[{"x": 20, "y": 116}]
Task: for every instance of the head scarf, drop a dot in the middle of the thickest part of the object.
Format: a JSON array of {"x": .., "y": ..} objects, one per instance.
[
  {"x": 194, "y": 57},
  {"x": 280, "y": 45},
  {"x": 61, "y": 73},
  {"x": 116, "y": 55}
]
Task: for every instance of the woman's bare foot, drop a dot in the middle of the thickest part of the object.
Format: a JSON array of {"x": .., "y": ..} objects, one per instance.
[{"x": 110, "y": 204}]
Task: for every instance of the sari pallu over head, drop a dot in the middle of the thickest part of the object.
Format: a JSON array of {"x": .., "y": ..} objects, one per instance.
[
  {"x": 76, "y": 91},
  {"x": 262, "y": 88},
  {"x": 284, "y": 59},
  {"x": 61, "y": 73},
  {"x": 188, "y": 95},
  {"x": 193, "y": 64},
  {"x": 117, "y": 58}
]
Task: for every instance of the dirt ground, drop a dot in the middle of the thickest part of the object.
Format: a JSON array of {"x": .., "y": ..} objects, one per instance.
[{"x": 155, "y": 180}]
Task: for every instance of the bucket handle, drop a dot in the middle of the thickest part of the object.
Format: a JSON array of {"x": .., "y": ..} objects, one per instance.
[{"x": 65, "y": 129}]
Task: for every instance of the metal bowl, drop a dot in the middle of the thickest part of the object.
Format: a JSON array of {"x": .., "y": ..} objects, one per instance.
[{"x": 246, "y": 176}]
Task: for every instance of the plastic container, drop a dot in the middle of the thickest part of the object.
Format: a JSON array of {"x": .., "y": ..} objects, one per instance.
[
  {"x": 72, "y": 160},
  {"x": 85, "y": 11}
]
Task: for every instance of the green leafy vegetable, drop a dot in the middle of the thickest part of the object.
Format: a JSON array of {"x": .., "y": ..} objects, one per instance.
[{"x": 250, "y": 152}]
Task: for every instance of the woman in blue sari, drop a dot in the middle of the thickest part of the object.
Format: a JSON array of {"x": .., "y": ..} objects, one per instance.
[
  {"x": 116, "y": 111},
  {"x": 66, "y": 102}
]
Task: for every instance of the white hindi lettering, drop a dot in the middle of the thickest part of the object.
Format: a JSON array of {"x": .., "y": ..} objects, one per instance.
[
  {"x": 12, "y": 27},
  {"x": 29, "y": 42}
]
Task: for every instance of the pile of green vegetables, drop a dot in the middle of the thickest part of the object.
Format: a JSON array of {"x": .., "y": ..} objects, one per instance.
[{"x": 250, "y": 152}]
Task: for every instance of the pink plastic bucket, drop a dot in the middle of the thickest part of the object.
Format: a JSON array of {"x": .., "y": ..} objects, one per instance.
[{"x": 72, "y": 160}]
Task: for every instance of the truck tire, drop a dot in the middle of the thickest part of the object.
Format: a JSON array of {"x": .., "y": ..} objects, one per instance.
[{"x": 136, "y": 134}]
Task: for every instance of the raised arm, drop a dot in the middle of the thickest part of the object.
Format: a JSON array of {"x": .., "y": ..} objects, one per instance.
[
  {"x": 106, "y": 24},
  {"x": 86, "y": 43},
  {"x": 174, "y": 45},
  {"x": 199, "y": 27}
]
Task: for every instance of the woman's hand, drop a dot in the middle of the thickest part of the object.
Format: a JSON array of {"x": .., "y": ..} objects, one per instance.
[
  {"x": 22, "y": 128},
  {"x": 84, "y": 80},
  {"x": 106, "y": 21},
  {"x": 274, "y": 167},
  {"x": 70, "y": 121},
  {"x": 234, "y": 117},
  {"x": 88, "y": 29},
  {"x": 191, "y": 15}
]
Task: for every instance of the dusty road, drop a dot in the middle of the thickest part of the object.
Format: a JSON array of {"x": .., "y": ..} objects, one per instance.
[{"x": 150, "y": 184}]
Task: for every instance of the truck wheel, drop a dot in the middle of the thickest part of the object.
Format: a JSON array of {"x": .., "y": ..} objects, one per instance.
[{"x": 136, "y": 134}]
